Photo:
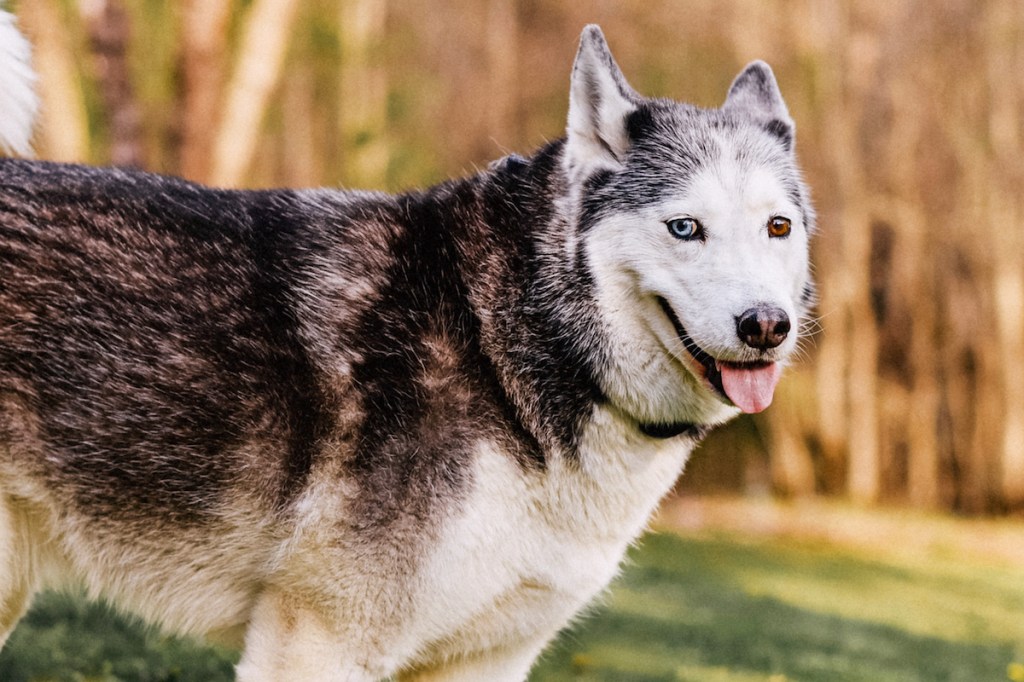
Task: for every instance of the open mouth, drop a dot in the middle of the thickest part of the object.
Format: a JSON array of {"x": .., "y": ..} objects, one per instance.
[{"x": 749, "y": 386}]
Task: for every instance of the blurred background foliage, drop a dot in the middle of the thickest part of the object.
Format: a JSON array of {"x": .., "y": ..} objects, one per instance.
[{"x": 910, "y": 129}]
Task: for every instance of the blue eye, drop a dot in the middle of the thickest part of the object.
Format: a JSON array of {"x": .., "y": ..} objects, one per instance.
[{"x": 687, "y": 229}]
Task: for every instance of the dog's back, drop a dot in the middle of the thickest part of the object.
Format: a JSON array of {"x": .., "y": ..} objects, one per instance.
[{"x": 149, "y": 317}]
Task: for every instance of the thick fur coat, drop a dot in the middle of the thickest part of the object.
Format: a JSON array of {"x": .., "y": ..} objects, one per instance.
[{"x": 367, "y": 436}]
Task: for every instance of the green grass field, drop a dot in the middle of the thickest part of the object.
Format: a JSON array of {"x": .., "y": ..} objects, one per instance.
[
  {"x": 721, "y": 608},
  {"x": 707, "y": 607}
]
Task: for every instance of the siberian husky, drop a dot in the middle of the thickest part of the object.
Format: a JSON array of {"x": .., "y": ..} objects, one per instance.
[{"x": 367, "y": 436}]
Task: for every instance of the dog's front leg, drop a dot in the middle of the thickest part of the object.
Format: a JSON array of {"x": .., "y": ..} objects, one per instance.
[
  {"x": 505, "y": 664},
  {"x": 16, "y": 582},
  {"x": 290, "y": 639}
]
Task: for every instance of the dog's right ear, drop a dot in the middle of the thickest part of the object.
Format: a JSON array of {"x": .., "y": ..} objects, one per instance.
[
  {"x": 756, "y": 93},
  {"x": 600, "y": 99}
]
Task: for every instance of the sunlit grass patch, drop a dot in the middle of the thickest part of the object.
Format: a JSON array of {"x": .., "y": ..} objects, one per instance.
[{"x": 720, "y": 607}]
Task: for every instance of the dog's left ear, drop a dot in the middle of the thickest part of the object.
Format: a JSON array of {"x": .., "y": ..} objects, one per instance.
[
  {"x": 755, "y": 93},
  {"x": 600, "y": 99}
]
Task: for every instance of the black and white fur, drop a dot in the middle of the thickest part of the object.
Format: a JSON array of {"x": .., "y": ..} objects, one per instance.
[{"x": 364, "y": 435}]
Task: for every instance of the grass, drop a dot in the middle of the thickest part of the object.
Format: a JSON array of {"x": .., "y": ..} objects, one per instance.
[
  {"x": 66, "y": 639},
  {"x": 705, "y": 606},
  {"x": 717, "y": 607}
]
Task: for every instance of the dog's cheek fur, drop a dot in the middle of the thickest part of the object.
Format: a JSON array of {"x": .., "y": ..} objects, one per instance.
[{"x": 633, "y": 262}]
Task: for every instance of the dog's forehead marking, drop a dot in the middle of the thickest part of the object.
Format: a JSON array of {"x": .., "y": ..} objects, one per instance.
[
  {"x": 711, "y": 163},
  {"x": 728, "y": 188}
]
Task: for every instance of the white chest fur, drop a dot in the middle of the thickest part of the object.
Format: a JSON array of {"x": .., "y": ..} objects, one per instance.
[{"x": 526, "y": 551}]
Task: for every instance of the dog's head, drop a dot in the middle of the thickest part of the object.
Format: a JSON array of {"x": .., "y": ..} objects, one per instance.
[{"x": 694, "y": 226}]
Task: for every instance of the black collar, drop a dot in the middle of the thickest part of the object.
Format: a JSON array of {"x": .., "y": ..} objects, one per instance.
[{"x": 673, "y": 430}]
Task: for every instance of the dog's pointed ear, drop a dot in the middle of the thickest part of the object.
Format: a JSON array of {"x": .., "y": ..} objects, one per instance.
[
  {"x": 600, "y": 99},
  {"x": 756, "y": 93}
]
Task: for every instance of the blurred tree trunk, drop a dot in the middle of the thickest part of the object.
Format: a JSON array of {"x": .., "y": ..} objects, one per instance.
[
  {"x": 922, "y": 408},
  {"x": 863, "y": 454},
  {"x": 790, "y": 463},
  {"x": 1009, "y": 297},
  {"x": 63, "y": 129},
  {"x": 913, "y": 279},
  {"x": 109, "y": 30},
  {"x": 302, "y": 164},
  {"x": 256, "y": 73},
  {"x": 864, "y": 465},
  {"x": 363, "y": 107},
  {"x": 203, "y": 39},
  {"x": 819, "y": 27},
  {"x": 502, "y": 60},
  {"x": 1005, "y": 60}
]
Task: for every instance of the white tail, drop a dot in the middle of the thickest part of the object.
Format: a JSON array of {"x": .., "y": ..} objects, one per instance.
[{"x": 18, "y": 101}]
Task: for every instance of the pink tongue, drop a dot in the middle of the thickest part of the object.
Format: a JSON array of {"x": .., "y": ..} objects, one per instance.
[{"x": 750, "y": 388}]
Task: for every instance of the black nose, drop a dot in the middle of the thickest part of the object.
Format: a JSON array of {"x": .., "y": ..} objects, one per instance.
[{"x": 763, "y": 327}]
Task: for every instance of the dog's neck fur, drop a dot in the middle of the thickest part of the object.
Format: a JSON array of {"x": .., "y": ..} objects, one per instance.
[
  {"x": 515, "y": 271},
  {"x": 549, "y": 368}
]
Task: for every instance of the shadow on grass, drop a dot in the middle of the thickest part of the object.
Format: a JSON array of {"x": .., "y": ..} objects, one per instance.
[{"x": 66, "y": 639}]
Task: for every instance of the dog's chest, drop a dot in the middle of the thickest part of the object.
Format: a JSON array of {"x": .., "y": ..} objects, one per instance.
[{"x": 527, "y": 550}]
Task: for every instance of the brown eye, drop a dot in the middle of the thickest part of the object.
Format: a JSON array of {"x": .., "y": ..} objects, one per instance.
[{"x": 779, "y": 227}]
